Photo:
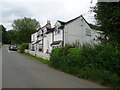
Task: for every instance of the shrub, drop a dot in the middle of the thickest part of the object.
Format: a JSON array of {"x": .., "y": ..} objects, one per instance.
[
  {"x": 108, "y": 58},
  {"x": 95, "y": 62},
  {"x": 54, "y": 57},
  {"x": 23, "y": 47}
]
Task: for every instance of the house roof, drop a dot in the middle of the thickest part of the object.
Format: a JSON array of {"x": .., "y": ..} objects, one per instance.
[
  {"x": 41, "y": 28},
  {"x": 61, "y": 22},
  {"x": 72, "y": 19},
  {"x": 46, "y": 26},
  {"x": 49, "y": 30},
  {"x": 91, "y": 25},
  {"x": 65, "y": 23}
]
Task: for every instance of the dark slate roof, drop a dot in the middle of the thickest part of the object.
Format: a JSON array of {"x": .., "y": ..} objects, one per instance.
[
  {"x": 94, "y": 26},
  {"x": 37, "y": 41},
  {"x": 62, "y": 23},
  {"x": 40, "y": 28},
  {"x": 56, "y": 42},
  {"x": 72, "y": 19},
  {"x": 49, "y": 30},
  {"x": 91, "y": 25}
]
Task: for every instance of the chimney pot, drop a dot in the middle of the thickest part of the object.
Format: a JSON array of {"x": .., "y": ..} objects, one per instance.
[{"x": 48, "y": 21}]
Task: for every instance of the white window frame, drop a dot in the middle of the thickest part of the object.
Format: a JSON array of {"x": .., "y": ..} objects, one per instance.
[{"x": 88, "y": 32}]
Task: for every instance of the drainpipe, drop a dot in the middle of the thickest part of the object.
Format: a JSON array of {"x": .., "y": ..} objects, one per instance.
[
  {"x": 42, "y": 41},
  {"x": 52, "y": 36},
  {"x": 63, "y": 38}
]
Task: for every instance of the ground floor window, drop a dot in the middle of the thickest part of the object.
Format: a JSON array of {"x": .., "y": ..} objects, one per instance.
[
  {"x": 40, "y": 48},
  {"x": 56, "y": 46},
  {"x": 33, "y": 48}
]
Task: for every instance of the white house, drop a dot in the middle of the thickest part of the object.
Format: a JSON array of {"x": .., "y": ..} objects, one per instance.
[
  {"x": 77, "y": 29},
  {"x": 41, "y": 39}
]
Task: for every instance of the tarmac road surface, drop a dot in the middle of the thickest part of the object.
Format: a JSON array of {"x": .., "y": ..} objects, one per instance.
[{"x": 20, "y": 71}]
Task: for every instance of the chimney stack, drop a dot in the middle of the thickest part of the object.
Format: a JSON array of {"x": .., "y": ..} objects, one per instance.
[
  {"x": 48, "y": 25},
  {"x": 48, "y": 22}
]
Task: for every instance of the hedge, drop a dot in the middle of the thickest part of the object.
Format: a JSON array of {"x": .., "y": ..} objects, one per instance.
[{"x": 99, "y": 63}]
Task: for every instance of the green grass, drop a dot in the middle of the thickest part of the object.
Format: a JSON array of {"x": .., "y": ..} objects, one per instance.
[{"x": 45, "y": 61}]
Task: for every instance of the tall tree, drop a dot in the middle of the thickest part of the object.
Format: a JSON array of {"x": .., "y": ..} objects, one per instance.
[
  {"x": 4, "y": 34},
  {"x": 25, "y": 27},
  {"x": 108, "y": 18},
  {"x": 12, "y": 37}
]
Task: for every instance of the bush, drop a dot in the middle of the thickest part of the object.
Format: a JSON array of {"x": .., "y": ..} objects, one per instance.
[
  {"x": 95, "y": 62},
  {"x": 23, "y": 47}
]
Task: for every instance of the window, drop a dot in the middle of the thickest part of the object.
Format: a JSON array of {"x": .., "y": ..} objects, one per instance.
[
  {"x": 81, "y": 19},
  {"x": 88, "y": 32},
  {"x": 58, "y": 31},
  {"x": 55, "y": 31},
  {"x": 33, "y": 48}
]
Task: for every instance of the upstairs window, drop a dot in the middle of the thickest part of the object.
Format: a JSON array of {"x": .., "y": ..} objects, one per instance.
[
  {"x": 88, "y": 32},
  {"x": 57, "y": 31}
]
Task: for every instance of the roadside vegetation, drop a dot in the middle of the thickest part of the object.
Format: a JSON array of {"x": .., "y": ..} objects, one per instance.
[
  {"x": 99, "y": 63},
  {"x": 23, "y": 47},
  {"x": 45, "y": 61}
]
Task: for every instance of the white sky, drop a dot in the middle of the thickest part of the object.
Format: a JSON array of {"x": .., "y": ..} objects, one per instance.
[{"x": 43, "y": 10}]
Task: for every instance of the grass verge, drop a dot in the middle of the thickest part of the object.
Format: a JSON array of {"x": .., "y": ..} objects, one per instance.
[{"x": 45, "y": 61}]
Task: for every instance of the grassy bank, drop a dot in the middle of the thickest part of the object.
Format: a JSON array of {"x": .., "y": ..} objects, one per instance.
[{"x": 45, "y": 61}]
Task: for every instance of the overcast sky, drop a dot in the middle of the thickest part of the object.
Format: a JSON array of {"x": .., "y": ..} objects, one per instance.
[{"x": 44, "y": 10}]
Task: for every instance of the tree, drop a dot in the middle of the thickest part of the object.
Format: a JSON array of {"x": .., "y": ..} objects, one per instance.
[
  {"x": 4, "y": 34},
  {"x": 108, "y": 18},
  {"x": 12, "y": 37},
  {"x": 25, "y": 27}
]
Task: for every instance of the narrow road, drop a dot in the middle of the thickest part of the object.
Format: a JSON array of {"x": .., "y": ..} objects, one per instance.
[{"x": 20, "y": 71}]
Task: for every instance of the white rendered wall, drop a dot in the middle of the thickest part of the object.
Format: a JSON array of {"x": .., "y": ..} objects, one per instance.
[
  {"x": 34, "y": 37},
  {"x": 76, "y": 31},
  {"x": 47, "y": 43},
  {"x": 58, "y": 36}
]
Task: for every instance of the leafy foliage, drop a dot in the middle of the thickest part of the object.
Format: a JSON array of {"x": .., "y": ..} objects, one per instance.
[
  {"x": 12, "y": 37},
  {"x": 108, "y": 17},
  {"x": 4, "y": 34},
  {"x": 95, "y": 62},
  {"x": 25, "y": 27},
  {"x": 23, "y": 47}
]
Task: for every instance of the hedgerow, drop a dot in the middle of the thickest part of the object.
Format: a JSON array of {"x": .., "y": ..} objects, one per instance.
[{"x": 99, "y": 63}]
